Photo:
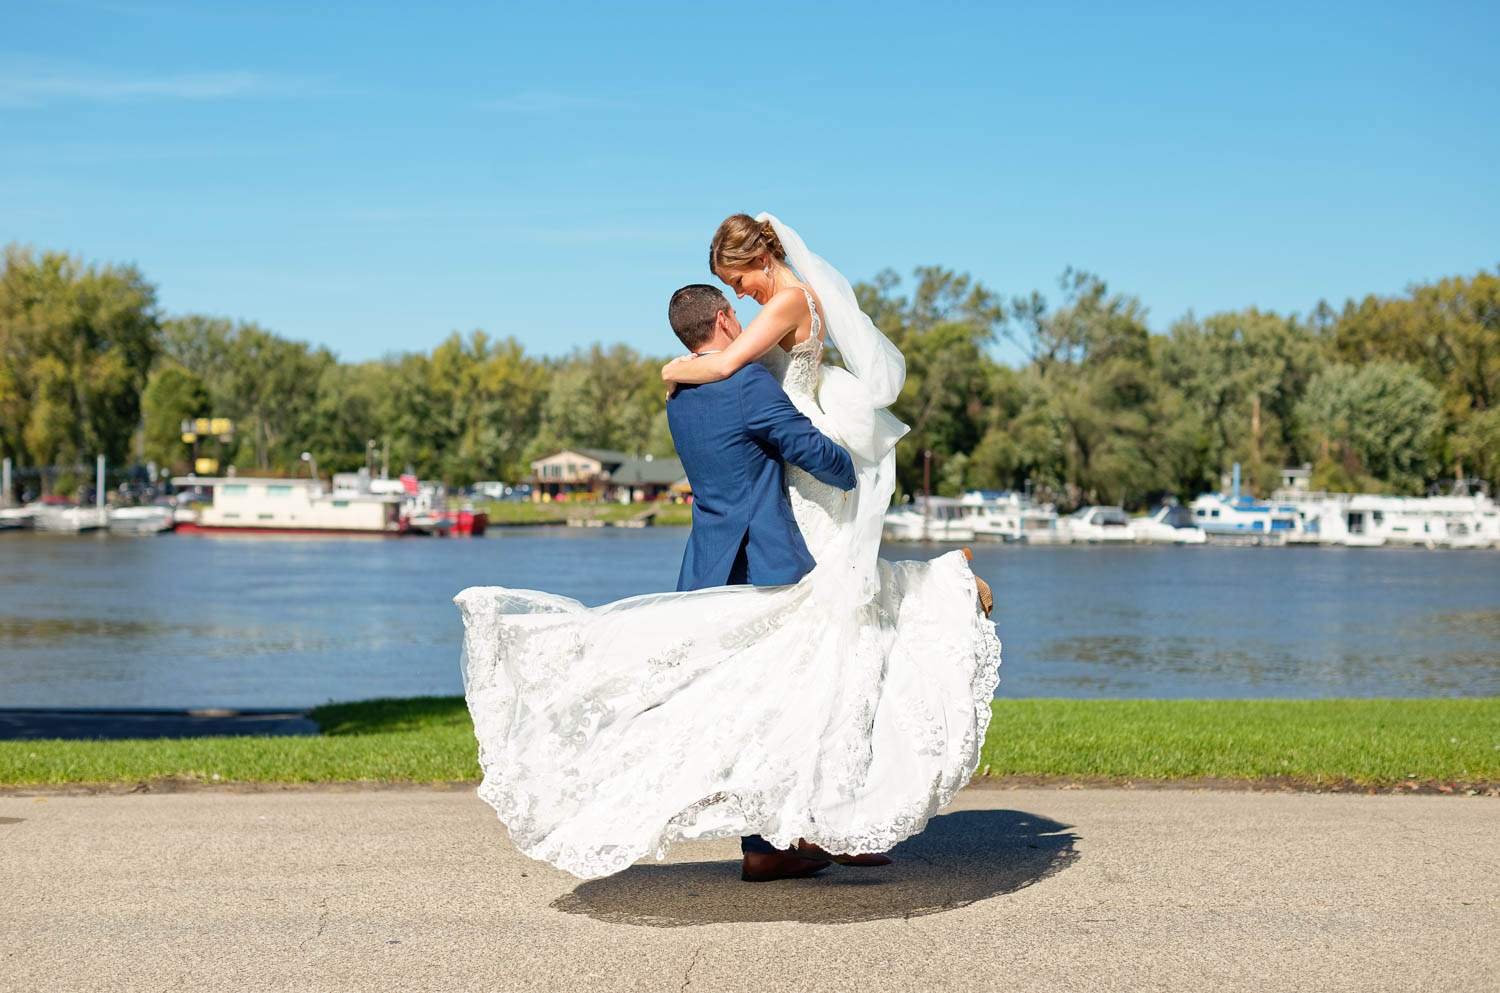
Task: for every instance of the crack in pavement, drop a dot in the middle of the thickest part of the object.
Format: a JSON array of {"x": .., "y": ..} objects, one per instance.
[
  {"x": 687, "y": 974},
  {"x": 322, "y": 924}
]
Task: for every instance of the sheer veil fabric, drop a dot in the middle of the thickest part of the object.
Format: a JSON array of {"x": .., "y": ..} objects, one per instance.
[
  {"x": 851, "y": 409},
  {"x": 845, "y": 709}
]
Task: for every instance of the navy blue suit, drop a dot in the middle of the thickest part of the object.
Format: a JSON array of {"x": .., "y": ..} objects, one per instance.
[{"x": 733, "y": 437}]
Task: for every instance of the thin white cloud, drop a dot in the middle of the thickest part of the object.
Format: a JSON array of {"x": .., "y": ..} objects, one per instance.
[
  {"x": 546, "y": 102},
  {"x": 36, "y": 87}
]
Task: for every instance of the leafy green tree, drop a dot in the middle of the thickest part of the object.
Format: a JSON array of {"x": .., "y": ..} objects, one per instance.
[
  {"x": 494, "y": 410},
  {"x": 172, "y": 395},
  {"x": 271, "y": 385},
  {"x": 411, "y": 413},
  {"x": 1375, "y": 426},
  {"x": 76, "y": 342},
  {"x": 603, "y": 398},
  {"x": 199, "y": 344},
  {"x": 1244, "y": 372},
  {"x": 1450, "y": 332},
  {"x": 1384, "y": 393},
  {"x": 1098, "y": 387},
  {"x": 1476, "y": 445},
  {"x": 943, "y": 329},
  {"x": 345, "y": 415}
]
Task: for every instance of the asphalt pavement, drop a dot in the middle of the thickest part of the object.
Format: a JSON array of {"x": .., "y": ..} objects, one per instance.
[{"x": 1033, "y": 889}]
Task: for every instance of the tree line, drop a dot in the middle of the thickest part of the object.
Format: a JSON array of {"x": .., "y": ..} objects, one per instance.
[{"x": 1386, "y": 394}]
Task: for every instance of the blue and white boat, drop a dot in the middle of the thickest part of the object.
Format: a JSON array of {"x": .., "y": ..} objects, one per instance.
[{"x": 1235, "y": 517}]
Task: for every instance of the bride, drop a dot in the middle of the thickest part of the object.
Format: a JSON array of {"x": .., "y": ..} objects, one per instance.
[{"x": 840, "y": 712}]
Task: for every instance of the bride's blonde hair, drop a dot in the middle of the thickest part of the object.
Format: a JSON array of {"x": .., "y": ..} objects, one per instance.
[{"x": 740, "y": 240}]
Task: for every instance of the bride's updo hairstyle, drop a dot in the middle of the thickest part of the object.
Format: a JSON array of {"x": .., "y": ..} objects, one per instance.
[{"x": 740, "y": 241}]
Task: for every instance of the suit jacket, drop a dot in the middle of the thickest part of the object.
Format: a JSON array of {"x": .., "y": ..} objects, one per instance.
[{"x": 732, "y": 437}]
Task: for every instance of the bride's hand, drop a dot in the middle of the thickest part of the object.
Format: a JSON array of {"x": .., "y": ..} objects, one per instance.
[{"x": 666, "y": 377}]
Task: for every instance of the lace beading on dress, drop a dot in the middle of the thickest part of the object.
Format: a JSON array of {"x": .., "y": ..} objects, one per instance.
[{"x": 816, "y": 506}]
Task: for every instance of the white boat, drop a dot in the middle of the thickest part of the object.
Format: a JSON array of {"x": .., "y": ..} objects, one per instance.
[
  {"x": 70, "y": 520},
  {"x": 1171, "y": 524},
  {"x": 1368, "y": 520},
  {"x": 141, "y": 520},
  {"x": 1039, "y": 526},
  {"x": 254, "y": 505},
  {"x": 15, "y": 518},
  {"x": 1242, "y": 519},
  {"x": 424, "y": 503},
  {"x": 1098, "y": 524},
  {"x": 929, "y": 519},
  {"x": 428, "y": 522},
  {"x": 996, "y": 516}
]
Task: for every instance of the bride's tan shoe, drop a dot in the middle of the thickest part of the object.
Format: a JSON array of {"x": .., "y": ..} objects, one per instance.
[{"x": 986, "y": 595}]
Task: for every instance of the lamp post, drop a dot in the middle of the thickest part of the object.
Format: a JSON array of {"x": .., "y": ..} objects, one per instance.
[
  {"x": 312, "y": 463},
  {"x": 926, "y": 493}
]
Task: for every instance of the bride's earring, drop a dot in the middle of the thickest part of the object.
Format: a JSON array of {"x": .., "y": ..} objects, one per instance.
[{"x": 769, "y": 276}]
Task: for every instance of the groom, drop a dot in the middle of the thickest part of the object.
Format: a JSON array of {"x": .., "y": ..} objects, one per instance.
[{"x": 732, "y": 437}]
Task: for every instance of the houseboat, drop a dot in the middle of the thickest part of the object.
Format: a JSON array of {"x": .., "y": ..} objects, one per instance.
[
  {"x": 264, "y": 505},
  {"x": 1367, "y": 520}
]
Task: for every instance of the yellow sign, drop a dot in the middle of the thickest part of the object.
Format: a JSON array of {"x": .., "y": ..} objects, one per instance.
[
  {"x": 199, "y": 427},
  {"x": 206, "y": 467}
]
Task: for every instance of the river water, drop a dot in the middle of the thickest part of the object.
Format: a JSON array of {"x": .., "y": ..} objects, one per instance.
[{"x": 197, "y": 621}]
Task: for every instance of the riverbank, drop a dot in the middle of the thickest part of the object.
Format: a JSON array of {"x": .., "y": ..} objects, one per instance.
[
  {"x": 522, "y": 513},
  {"x": 1444, "y": 745}
]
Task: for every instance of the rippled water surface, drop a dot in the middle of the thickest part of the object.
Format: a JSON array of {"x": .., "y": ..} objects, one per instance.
[{"x": 190, "y": 620}]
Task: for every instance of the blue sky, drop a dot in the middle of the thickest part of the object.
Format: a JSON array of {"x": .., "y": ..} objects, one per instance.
[{"x": 375, "y": 178}]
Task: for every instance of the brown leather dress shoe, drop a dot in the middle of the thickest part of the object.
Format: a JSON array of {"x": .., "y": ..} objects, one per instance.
[
  {"x": 762, "y": 867},
  {"x": 868, "y": 860}
]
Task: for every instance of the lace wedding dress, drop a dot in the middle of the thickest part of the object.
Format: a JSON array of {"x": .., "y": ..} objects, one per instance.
[{"x": 846, "y": 709}]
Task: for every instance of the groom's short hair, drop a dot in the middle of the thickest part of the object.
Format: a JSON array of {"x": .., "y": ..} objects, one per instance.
[{"x": 693, "y": 311}]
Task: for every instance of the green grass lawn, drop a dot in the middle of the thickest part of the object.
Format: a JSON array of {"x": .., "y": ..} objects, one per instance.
[
  {"x": 503, "y": 512},
  {"x": 1371, "y": 743}
]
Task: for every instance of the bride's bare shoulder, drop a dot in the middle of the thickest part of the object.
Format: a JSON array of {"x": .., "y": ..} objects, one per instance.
[{"x": 788, "y": 302}]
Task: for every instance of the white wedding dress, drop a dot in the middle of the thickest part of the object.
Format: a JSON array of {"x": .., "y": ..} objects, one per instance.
[{"x": 844, "y": 710}]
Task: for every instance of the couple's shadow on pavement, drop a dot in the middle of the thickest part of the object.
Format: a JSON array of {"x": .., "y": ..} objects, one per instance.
[{"x": 962, "y": 857}]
